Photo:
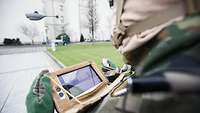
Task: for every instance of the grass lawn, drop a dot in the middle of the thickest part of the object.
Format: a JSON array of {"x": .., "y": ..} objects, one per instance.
[{"x": 77, "y": 53}]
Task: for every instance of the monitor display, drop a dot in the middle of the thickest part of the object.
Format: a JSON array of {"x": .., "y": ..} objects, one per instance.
[{"x": 79, "y": 81}]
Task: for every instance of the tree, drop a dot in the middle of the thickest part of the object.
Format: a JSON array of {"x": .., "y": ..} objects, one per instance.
[
  {"x": 30, "y": 31},
  {"x": 92, "y": 17}
]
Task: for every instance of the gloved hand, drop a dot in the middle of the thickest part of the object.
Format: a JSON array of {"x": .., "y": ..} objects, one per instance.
[{"x": 39, "y": 98}]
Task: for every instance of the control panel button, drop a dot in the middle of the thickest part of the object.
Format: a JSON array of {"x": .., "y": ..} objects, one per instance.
[
  {"x": 58, "y": 89},
  {"x": 61, "y": 94}
]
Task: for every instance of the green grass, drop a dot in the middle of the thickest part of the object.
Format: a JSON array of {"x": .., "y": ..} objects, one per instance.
[{"x": 77, "y": 53}]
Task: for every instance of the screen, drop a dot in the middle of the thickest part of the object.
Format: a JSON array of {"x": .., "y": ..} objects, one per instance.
[{"x": 79, "y": 81}]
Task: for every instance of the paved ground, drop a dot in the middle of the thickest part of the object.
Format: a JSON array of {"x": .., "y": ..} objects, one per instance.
[
  {"x": 18, "y": 68},
  {"x": 4, "y": 50}
]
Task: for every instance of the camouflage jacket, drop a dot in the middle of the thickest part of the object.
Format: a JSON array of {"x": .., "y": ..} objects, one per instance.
[{"x": 178, "y": 52}]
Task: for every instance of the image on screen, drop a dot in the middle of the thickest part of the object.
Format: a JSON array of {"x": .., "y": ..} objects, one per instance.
[{"x": 79, "y": 81}]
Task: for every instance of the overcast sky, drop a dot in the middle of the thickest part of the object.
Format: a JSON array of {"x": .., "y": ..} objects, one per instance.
[{"x": 12, "y": 15}]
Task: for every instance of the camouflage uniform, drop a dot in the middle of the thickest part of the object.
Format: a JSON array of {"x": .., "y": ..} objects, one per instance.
[{"x": 178, "y": 51}]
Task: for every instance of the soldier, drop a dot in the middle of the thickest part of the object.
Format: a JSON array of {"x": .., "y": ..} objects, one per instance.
[{"x": 161, "y": 39}]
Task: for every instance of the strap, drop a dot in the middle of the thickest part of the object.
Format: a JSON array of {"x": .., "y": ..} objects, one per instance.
[
  {"x": 119, "y": 29},
  {"x": 120, "y": 4},
  {"x": 119, "y": 32}
]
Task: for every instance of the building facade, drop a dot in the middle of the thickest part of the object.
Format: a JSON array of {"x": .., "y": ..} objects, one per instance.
[
  {"x": 101, "y": 17},
  {"x": 54, "y": 26},
  {"x": 74, "y": 19}
]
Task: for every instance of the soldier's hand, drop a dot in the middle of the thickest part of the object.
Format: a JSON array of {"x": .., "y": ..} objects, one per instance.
[{"x": 39, "y": 98}]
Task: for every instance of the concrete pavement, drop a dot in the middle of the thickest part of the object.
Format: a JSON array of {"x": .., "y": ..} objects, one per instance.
[
  {"x": 4, "y": 50},
  {"x": 17, "y": 72}
]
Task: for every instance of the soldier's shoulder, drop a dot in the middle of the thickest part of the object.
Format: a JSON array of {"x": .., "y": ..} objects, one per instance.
[{"x": 178, "y": 39}]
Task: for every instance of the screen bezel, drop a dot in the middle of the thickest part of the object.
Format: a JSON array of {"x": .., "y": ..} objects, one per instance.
[
  {"x": 102, "y": 78},
  {"x": 88, "y": 90}
]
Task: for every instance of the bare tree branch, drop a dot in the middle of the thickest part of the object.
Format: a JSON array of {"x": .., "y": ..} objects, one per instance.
[
  {"x": 30, "y": 31},
  {"x": 92, "y": 17}
]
